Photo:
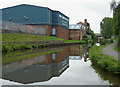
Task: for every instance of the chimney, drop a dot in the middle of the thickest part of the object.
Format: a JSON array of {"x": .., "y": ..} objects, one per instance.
[{"x": 85, "y": 21}]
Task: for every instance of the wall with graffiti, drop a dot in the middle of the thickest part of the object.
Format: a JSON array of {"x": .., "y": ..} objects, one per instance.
[{"x": 22, "y": 28}]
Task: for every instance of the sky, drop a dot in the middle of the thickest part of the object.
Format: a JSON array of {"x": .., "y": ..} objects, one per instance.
[{"x": 77, "y": 10}]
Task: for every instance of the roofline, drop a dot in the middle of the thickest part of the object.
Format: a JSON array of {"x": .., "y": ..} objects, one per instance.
[
  {"x": 61, "y": 13},
  {"x": 35, "y": 6},
  {"x": 23, "y": 4},
  {"x": 76, "y": 24}
]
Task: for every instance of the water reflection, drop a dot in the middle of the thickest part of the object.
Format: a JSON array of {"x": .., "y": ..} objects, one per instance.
[
  {"x": 55, "y": 66},
  {"x": 43, "y": 67},
  {"x": 40, "y": 68},
  {"x": 78, "y": 52}
]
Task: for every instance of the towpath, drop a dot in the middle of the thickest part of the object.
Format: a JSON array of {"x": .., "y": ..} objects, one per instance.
[{"x": 109, "y": 50}]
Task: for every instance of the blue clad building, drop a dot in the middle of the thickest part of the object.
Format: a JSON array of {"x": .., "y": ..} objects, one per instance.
[{"x": 54, "y": 22}]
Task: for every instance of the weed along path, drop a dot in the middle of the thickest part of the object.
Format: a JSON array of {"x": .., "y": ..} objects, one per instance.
[{"x": 109, "y": 50}]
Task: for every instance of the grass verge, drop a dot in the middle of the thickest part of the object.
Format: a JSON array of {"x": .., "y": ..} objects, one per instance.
[
  {"x": 104, "y": 61},
  {"x": 11, "y": 38},
  {"x": 26, "y": 38},
  {"x": 117, "y": 48},
  {"x": 73, "y": 41}
]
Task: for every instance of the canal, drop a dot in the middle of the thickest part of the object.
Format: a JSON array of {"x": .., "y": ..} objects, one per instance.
[{"x": 68, "y": 65}]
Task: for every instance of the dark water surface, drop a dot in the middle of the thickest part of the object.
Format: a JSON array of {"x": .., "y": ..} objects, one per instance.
[{"x": 55, "y": 66}]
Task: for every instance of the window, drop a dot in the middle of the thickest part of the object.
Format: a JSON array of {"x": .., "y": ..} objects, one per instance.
[{"x": 53, "y": 31}]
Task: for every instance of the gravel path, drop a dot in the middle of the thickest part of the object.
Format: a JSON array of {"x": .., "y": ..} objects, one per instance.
[{"x": 109, "y": 50}]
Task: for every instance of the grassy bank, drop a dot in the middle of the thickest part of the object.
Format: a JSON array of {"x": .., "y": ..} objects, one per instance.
[
  {"x": 117, "y": 49},
  {"x": 13, "y": 38},
  {"x": 26, "y": 38},
  {"x": 104, "y": 61},
  {"x": 73, "y": 41}
]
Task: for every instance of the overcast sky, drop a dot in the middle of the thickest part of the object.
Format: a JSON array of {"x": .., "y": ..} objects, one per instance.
[{"x": 76, "y": 10}]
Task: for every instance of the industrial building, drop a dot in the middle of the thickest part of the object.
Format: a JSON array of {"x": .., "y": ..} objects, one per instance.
[
  {"x": 76, "y": 31},
  {"x": 53, "y": 23}
]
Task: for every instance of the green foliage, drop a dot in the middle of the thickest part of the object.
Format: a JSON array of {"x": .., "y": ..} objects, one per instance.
[
  {"x": 117, "y": 48},
  {"x": 7, "y": 48},
  {"x": 94, "y": 37},
  {"x": 26, "y": 46},
  {"x": 106, "y": 41},
  {"x": 104, "y": 61},
  {"x": 116, "y": 20},
  {"x": 112, "y": 41},
  {"x": 106, "y": 27},
  {"x": 13, "y": 47},
  {"x": 102, "y": 42},
  {"x": 36, "y": 45},
  {"x": 85, "y": 38}
]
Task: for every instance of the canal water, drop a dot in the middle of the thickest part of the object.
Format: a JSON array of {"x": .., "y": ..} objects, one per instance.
[{"x": 69, "y": 65}]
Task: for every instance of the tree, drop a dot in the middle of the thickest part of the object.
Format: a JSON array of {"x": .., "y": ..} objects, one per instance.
[
  {"x": 106, "y": 27},
  {"x": 116, "y": 19},
  {"x": 113, "y": 5}
]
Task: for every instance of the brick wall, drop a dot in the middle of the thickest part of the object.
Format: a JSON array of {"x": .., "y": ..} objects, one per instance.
[
  {"x": 75, "y": 34},
  {"x": 61, "y": 32}
]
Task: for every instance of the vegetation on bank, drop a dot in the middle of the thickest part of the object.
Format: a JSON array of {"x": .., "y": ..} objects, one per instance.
[
  {"x": 73, "y": 41},
  {"x": 12, "y": 37},
  {"x": 106, "y": 41},
  {"x": 104, "y": 61},
  {"x": 117, "y": 48},
  {"x": 94, "y": 36},
  {"x": 14, "y": 47}
]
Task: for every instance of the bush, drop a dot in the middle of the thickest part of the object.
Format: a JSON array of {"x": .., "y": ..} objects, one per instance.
[
  {"x": 7, "y": 48},
  {"x": 85, "y": 38},
  {"x": 102, "y": 41},
  {"x": 16, "y": 46},
  {"x": 103, "y": 63},
  {"x": 26, "y": 47},
  {"x": 112, "y": 41}
]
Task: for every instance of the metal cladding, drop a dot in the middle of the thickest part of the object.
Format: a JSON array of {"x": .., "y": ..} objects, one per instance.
[{"x": 35, "y": 15}]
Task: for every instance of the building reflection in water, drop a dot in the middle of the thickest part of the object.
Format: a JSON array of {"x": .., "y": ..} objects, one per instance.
[
  {"x": 43, "y": 68},
  {"x": 78, "y": 52},
  {"x": 38, "y": 69}
]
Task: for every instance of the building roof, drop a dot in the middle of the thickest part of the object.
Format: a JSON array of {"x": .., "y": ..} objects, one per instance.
[
  {"x": 35, "y": 6},
  {"x": 75, "y": 26}
]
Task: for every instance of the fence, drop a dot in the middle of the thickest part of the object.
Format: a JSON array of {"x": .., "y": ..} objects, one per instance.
[{"x": 11, "y": 26}]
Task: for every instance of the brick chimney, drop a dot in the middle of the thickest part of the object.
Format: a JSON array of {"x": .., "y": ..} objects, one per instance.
[{"x": 85, "y": 21}]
